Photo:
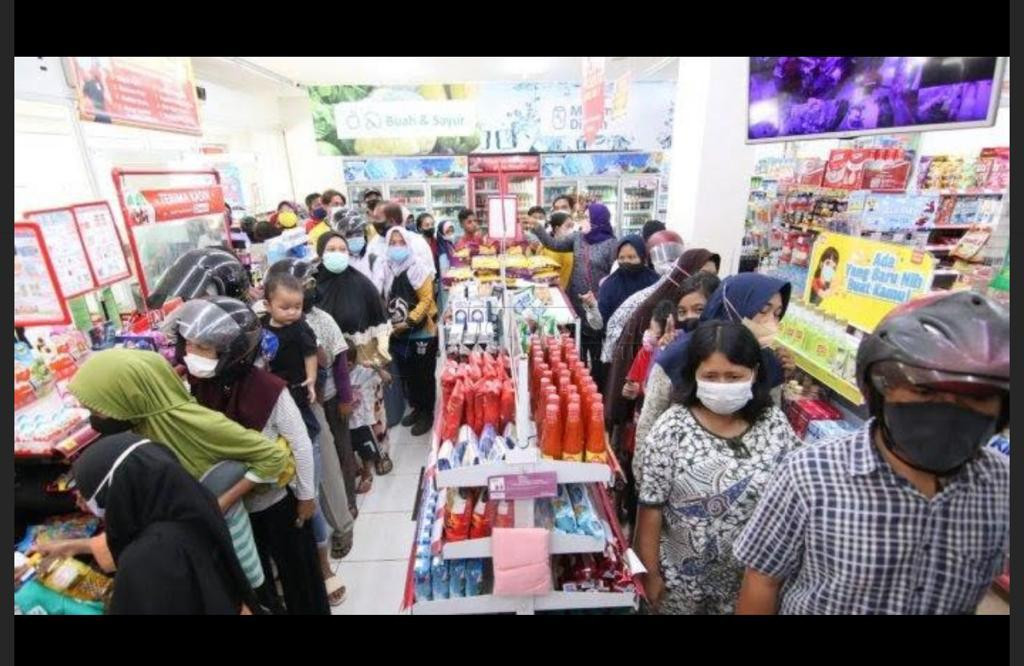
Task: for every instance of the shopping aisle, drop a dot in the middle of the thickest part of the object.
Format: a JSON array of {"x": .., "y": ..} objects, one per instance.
[{"x": 375, "y": 570}]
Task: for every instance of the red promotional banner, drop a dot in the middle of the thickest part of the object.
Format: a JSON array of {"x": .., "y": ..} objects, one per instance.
[
  {"x": 176, "y": 203},
  {"x": 504, "y": 163},
  {"x": 593, "y": 98},
  {"x": 158, "y": 93}
]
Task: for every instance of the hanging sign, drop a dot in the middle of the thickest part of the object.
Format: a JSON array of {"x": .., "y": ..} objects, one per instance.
[
  {"x": 157, "y": 93},
  {"x": 593, "y": 98},
  {"x": 620, "y": 97},
  {"x": 38, "y": 300},
  {"x": 64, "y": 245},
  {"x": 861, "y": 280},
  {"x": 179, "y": 202},
  {"x": 502, "y": 217}
]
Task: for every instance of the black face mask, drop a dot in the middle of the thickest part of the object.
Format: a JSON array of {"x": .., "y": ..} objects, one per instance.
[
  {"x": 689, "y": 324},
  {"x": 427, "y": 233},
  {"x": 381, "y": 227},
  {"x": 631, "y": 268},
  {"x": 935, "y": 437},
  {"x": 319, "y": 213},
  {"x": 108, "y": 426}
]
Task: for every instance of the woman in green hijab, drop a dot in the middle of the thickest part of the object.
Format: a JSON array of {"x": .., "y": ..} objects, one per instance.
[{"x": 127, "y": 389}]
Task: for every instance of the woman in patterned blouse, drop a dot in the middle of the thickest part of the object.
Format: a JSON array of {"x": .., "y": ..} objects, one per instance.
[{"x": 708, "y": 458}]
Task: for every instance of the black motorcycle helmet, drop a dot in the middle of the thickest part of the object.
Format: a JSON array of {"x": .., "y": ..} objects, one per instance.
[
  {"x": 208, "y": 271},
  {"x": 223, "y": 323},
  {"x": 957, "y": 342},
  {"x": 305, "y": 271}
]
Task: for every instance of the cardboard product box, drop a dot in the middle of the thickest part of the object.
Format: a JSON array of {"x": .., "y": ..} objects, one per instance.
[
  {"x": 889, "y": 170},
  {"x": 845, "y": 169}
]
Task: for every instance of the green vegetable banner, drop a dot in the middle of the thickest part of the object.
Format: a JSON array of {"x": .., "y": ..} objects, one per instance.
[{"x": 459, "y": 119}]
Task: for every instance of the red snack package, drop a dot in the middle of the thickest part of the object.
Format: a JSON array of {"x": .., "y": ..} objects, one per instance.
[
  {"x": 454, "y": 409},
  {"x": 449, "y": 376},
  {"x": 491, "y": 393},
  {"x": 480, "y": 524},
  {"x": 508, "y": 404},
  {"x": 501, "y": 513},
  {"x": 458, "y": 515}
]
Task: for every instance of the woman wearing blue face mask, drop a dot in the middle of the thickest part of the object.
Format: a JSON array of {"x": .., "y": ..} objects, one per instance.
[
  {"x": 409, "y": 290},
  {"x": 354, "y": 302},
  {"x": 708, "y": 459}
]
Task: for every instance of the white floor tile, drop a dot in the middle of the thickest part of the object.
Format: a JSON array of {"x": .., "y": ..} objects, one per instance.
[
  {"x": 382, "y": 536},
  {"x": 409, "y": 458},
  {"x": 374, "y": 588},
  {"x": 391, "y": 493}
]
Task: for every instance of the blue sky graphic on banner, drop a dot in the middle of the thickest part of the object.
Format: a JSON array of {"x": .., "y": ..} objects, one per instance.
[
  {"x": 412, "y": 168},
  {"x": 493, "y": 117}
]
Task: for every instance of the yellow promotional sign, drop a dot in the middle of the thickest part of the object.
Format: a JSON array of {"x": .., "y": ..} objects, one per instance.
[{"x": 861, "y": 280}]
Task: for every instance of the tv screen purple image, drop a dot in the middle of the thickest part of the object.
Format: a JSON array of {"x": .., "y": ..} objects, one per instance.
[{"x": 813, "y": 97}]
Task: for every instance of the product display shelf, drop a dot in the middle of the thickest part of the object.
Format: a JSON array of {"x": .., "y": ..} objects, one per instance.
[
  {"x": 561, "y": 544},
  {"x": 522, "y": 460},
  {"x": 823, "y": 375}
]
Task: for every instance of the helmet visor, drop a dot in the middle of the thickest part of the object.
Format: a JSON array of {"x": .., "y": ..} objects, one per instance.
[
  {"x": 894, "y": 374},
  {"x": 207, "y": 324},
  {"x": 665, "y": 255}
]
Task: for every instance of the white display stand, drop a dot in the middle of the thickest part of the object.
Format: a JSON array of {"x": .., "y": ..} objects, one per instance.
[{"x": 566, "y": 472}]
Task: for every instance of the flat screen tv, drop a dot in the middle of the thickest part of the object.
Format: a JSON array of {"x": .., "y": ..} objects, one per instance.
[{"x": 794, "y": 98}]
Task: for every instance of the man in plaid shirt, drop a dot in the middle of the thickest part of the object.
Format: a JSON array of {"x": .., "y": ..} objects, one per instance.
[{"x": 911, "y": 514}]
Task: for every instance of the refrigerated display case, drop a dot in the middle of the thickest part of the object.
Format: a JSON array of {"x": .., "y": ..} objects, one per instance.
[
  {"x": 504, "y": 175},
  {"x": 627, "y": 183},
  {"x": 639, "y": 202},
  {"x": 447, "y": 198},
  {"x": 435, "y": 185},
  {"x": 553, "y": 189},
  {"x": 605, "y": 191}
]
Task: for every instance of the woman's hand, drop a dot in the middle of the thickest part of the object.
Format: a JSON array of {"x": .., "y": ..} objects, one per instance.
[
  {"x": 630, "y": 390},
  {"x": 588, "y": 299},
  {"x": 400, "y": 328},
  {"x": 786, "y": 359},
  {"x": 62, "y": 548},
  {"x": 345, "y": 409},
  {"x": 385, "y": 376},
  {"x": 654, "y": 587},
  {"x": 304, "y": 512}
]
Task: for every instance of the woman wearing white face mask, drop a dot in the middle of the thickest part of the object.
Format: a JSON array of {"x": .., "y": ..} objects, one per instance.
[{"x": 707, "y": 460}]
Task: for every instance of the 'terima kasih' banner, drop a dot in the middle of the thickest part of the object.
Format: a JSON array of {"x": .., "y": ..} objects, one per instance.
[{"x": 459, "y": 119}]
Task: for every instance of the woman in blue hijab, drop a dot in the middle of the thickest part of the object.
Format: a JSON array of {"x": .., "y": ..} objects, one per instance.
[
  {"x": 753, "y": 299},
  {"x": 632, "y": 275}
]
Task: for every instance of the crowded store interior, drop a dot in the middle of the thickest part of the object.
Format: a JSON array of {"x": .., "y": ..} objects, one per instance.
[{"x": 533, "y": 335}]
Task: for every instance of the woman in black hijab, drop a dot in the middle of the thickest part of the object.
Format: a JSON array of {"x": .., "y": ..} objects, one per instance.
[{"x": 164, "y": 530}]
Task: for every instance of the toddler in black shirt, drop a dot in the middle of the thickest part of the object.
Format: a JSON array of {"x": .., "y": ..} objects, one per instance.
[{"x": 290, "y": 345}]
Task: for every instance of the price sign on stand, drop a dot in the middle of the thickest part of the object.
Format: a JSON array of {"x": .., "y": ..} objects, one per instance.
[
  {"x": 65, "y": 247},
  {"x": 38, "y": 300},
  {"x": 502, "y": 218},
  {"x": 531, "y": 485}
]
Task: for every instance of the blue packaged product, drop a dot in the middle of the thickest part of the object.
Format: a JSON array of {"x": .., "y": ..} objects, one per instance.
[
  {"x": 474, "y": 577},
  {"x": 457, "y": 579},
  {"x": 439, "y": 578},
  {"x": 421, "y": 578},
  {"x": 565, "y": 517},
  {"x": 586, "y": 518},
  {"x": 486, "y": 441}
]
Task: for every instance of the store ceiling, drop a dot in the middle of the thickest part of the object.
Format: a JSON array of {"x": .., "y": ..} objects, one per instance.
[{"x": 273, "y": 74}]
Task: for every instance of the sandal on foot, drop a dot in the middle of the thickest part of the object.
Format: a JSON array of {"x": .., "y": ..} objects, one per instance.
[
  {"x": 336, "y": 592},
  {"x": 341, "y": 546},
  {"x": 384, "y": 465},
  {"x": 365, "y": 485}
]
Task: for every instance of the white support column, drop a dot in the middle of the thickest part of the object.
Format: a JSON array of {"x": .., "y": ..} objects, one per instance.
[{"x": 711, "y": 163}]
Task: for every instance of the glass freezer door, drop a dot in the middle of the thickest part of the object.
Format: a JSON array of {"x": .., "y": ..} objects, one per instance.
[
  {"x": 411, "y": 195},
  {"x": 554, "y": 189},
  {"x": 639, "y": 203},
  {"x": 524, "y": 186},
  {"x": 484, "y": 187},
  {"x": 447, "y": 199},
  {"x": 605, "y": 192},
  {"x": 357, "y": 190}
]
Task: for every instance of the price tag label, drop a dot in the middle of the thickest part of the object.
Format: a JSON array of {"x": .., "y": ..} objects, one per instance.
[{"x": 523, "y": 486}]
